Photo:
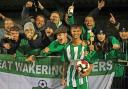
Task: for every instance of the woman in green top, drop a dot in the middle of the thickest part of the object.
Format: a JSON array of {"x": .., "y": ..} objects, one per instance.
[{"x": 106, "y": 47}]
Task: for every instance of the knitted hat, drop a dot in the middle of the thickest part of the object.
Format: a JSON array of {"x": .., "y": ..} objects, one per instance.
[
  {"x": 29, "y": 26},
  {"x": 100, "y": 32},
  {"x": 123, "y": 29}
]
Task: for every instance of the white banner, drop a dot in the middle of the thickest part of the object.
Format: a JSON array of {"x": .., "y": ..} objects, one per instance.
[{"x": 13, "y": 81}]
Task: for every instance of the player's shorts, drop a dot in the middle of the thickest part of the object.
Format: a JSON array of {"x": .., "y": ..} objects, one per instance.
[{"x": 83, "y": 86}]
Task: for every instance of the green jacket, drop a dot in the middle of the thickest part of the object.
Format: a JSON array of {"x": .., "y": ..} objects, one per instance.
[
  {"x": 70, "y": 20},
  {"x": 55, "y": 46}
]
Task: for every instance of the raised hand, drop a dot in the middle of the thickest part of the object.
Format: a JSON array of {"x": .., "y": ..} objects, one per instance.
[
  {"x": 63, "y": 82},
  {"x": 101, "y": 4},
  {"x": 49, "y": 32},
  {"x": 2, "y": 16},
  {"x": 46, "y": 50},
  {"x": 116, "y": 46},
  {"x": 71, "y": 9},
  {"x": 6, "y": 45},
  {"x": 40, "y": 5},
  {"x": 87, "y": 72},
  {"x": 92, "y": 37},
  {"x": 29, "y": 4},
  {"x": 91, "y": 47},
  {"x": 112, "y": 19},
  {"x": 31, "y": 59}
]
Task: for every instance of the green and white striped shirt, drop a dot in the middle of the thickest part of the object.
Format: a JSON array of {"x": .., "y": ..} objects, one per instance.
[{"x": 72, "y": 54}]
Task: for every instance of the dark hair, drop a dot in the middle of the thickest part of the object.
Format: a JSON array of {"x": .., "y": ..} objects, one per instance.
[
  {"x": 40, "y": 16},
  {"x": 15, "y": 28},
  {"x": 90, "y": 16},
  {"x": 75, "y": 26}
]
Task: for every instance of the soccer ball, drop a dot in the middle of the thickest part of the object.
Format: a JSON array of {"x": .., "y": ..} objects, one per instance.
[
  {"x": 82, "y": 66},
  {"x": 42, "y": 84}
]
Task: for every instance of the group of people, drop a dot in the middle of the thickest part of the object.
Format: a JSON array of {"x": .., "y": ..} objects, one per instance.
[{"x": 44, "y": 33}]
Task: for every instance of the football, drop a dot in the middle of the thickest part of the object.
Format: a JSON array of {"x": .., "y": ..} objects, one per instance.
[
  {"x": 82, "y": 66},
  {"x": 42, "y": 84}
]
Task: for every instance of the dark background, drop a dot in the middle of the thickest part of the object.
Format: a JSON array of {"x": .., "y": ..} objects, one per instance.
[
  {"x": 119, "y": 8},
  {"x": 13, "y": 8}
]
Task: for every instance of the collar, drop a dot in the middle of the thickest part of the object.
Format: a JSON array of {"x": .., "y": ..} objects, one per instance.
[
  {"x": 89, "y": 31},
  {"x": 58, "y": 25}
]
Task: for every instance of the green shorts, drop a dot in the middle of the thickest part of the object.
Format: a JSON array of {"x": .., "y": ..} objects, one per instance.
[{"x": 83, "y": 86}]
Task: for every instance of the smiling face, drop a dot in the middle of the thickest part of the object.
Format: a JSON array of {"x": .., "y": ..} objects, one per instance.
[
  {"x": 8, "y": 24},
  {"x": 101, "y": 37},
  {"x": 55, "y": 17},
  {"x": 76, "y": 32},
  {"x": 89, "y": 22},
  {"x": 29, "y": 33},
  {"x": 123, "y": 35},
  {"x": 40, "y": 21}
]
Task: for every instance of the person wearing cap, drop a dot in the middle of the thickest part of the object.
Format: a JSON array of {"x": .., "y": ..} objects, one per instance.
[
  {"x": 31, "y": 44},
  {"x": 123, "y": 37},
  {"x": 123, "y": 52},
  {"x": 121, "y": 69},
  {"x": 123, "y": 33},
  {"x": 33, "y": 36},
  {"x": 56, "y": 47},
  {"x": 106, "y": 46},
  {"x": 122, "y": 30}
]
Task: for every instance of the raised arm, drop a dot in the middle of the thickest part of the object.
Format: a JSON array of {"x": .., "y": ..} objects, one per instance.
[
  {"x": 2, "y": 16},
  {"x": 113, "y": 21},
  {"x": 44, "y": 11},
  {"x": 95, "y": 11},
  {"x": 69, "y": 18}
]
